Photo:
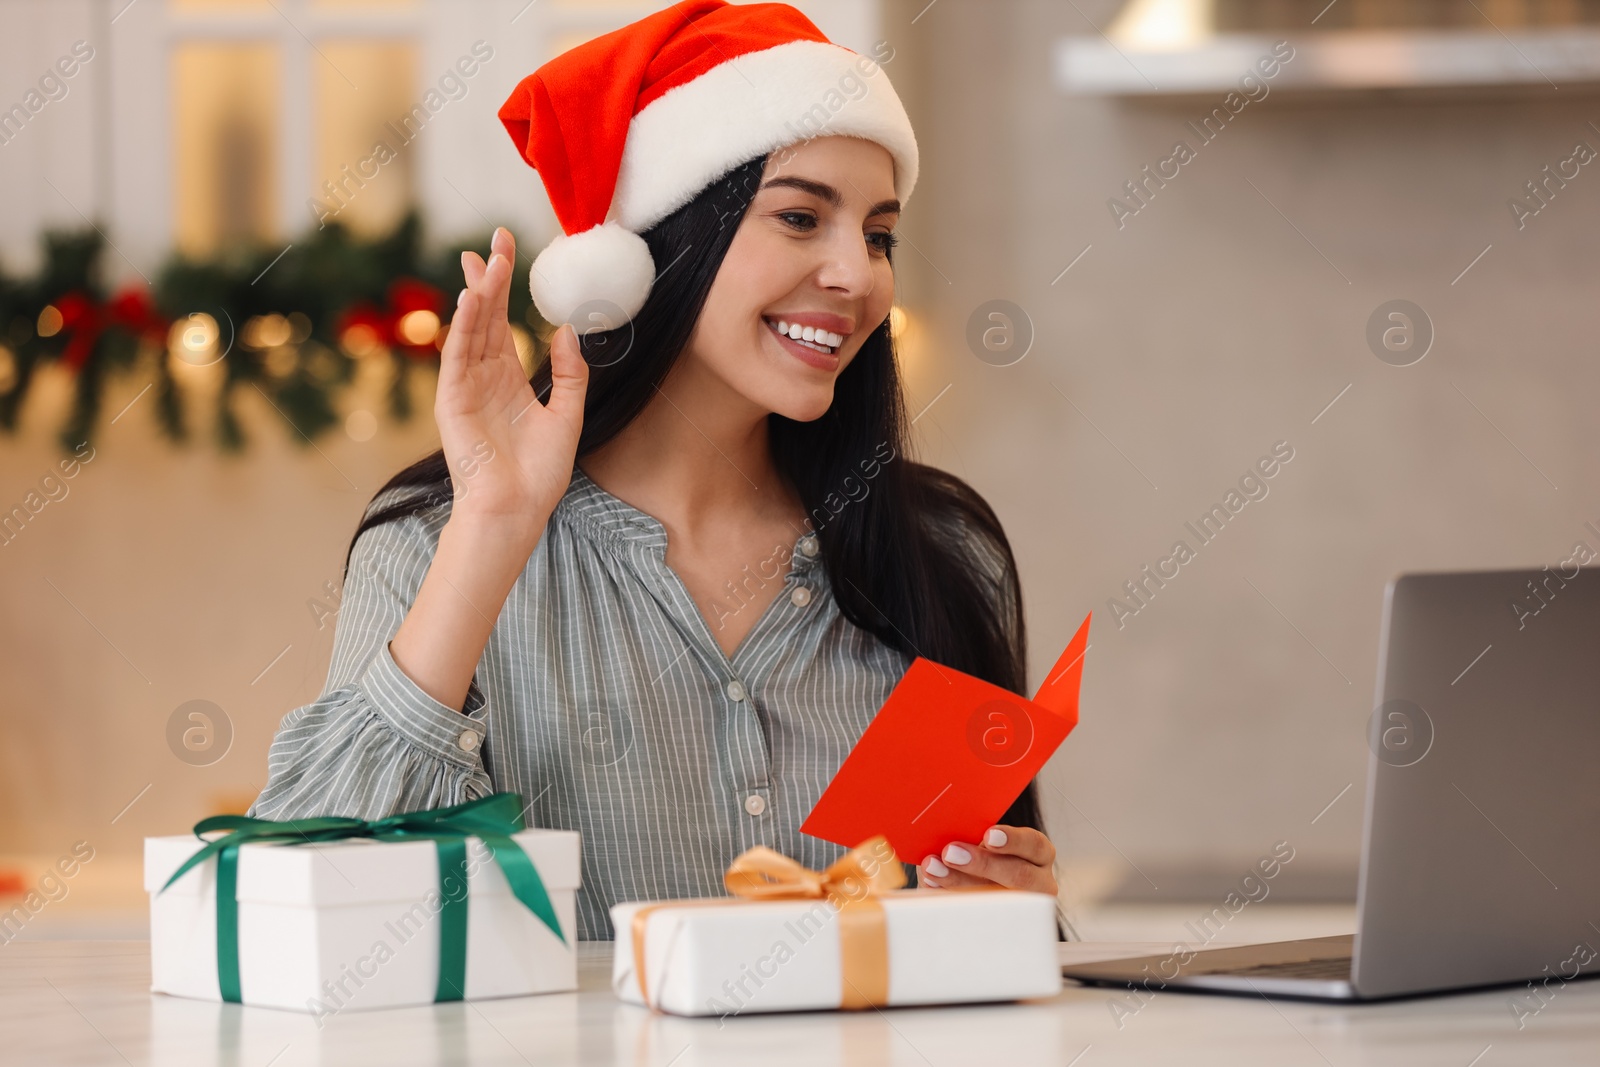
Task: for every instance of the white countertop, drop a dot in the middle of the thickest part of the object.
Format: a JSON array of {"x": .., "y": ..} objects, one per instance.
[{"x": 87, "y": 1002}]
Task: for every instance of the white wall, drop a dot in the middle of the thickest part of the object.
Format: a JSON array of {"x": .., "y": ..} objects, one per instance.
[
  {"x": 62, "y": 144},
  {"x": 1194, "y": 339}
]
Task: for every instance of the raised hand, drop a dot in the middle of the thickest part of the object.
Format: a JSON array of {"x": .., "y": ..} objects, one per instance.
[{"x": 510, "y": 456}]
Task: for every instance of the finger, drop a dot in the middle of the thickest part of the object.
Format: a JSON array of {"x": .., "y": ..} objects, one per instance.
[
  {"x": 569, "y": 374},
  {"x": 503, "y": 243},
  {"x": 503, "y": 290},
  {"x": 1009, "y": 871},
  {"x": 481, "y": 295},
  {"x": 951, "y": 879},
  {"x": 507, "y": 247},
  {"x": 472, "y": 267},
  {"x": 497, "y": 279},
  {"x": 458, "y": 340},
  {"x": 1023, "y": 842},
  {"x": 455, "y": 354}
]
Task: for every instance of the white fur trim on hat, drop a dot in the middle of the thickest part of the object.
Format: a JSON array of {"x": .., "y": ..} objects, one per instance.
[
  {"x": 695, "y": 133},
  {"x": 603, "y": 263}
]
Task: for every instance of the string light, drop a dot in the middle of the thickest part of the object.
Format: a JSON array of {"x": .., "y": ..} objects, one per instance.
[
  {"x": 282, "y": 361},
  {"x": 361, "y": 425},
  {"x": 50, "y": 321},
  {"x": 193, "y": 339},
  {"x": 361, "y": 340},
  {"x": 267, "y": 331},
  {"x": 418, "y": 327}
]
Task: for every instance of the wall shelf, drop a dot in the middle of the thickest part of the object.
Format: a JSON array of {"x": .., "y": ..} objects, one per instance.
[{"x": 1334, "y": 60}]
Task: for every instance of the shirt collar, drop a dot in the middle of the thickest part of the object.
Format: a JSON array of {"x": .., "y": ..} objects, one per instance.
[
  {"x": 612, "y": 517},
  {"x": 598, "y": 511}
]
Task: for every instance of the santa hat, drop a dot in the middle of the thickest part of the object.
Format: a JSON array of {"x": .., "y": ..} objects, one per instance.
[{"x": 629, "y": 127}]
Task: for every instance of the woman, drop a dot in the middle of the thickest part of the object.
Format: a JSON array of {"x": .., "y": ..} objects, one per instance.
[{"x": 661, "y": 589}]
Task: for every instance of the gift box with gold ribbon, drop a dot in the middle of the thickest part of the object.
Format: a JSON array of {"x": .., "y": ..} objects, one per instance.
[
  {"x": 329, "y": 914},
  {"x": 846, "y": 937}
]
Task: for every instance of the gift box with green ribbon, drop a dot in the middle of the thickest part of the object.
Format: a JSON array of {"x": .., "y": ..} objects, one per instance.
[{"x": 328, "y": 914}]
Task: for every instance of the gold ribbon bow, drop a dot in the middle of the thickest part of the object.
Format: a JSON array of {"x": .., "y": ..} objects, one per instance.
[{"x": 851, "y": 884}]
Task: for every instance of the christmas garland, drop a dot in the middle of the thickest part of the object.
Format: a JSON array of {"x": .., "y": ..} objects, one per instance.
[{"x": 294, "y": 323}]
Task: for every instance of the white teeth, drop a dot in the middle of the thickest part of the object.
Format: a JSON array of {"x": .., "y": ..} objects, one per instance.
[{"x": 810, "y": 336}]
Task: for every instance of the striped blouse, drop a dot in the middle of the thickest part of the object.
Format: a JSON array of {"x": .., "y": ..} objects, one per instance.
[{"x": 602, "y": 697}]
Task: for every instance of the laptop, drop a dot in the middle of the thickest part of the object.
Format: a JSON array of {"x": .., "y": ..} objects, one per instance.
[{"x": 1480, "y": 854}]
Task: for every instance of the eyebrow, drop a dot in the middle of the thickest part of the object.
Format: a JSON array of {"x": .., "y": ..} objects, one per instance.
[{"x": 828, "y": 194}]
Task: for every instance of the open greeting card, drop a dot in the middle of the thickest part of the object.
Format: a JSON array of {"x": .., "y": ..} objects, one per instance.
[{"x": 946, "y": 756}]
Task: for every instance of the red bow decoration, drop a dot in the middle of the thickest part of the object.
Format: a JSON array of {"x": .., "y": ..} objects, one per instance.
[
  {"x": 83, "y": 321},
  {"x": 405, "y": 296}
]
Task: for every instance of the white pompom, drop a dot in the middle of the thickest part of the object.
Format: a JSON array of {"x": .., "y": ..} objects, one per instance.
[{"x": 605, "y": 263}]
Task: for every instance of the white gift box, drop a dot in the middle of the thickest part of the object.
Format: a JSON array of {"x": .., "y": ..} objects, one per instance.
[
  {"x": 737, "y": 956},
  {"x": 353, "y": 925}
]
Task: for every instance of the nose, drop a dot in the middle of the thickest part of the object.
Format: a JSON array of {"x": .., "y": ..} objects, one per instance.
[{"x": 847, "y": 265}]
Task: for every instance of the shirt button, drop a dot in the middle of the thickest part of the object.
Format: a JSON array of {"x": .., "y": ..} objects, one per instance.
[
  {"x": 755, "y": 804},
  {"x": 735, "y": 690},
  {"x": 468, "y": 741},
  {"x": 809, "y": 546},
  {"x": 800, "y": 597}
]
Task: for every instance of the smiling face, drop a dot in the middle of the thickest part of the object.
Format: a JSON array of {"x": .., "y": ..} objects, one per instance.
[{"x": 810, "y": 258}]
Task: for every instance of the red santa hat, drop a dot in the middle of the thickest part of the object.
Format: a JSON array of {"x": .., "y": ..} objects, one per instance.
[{"x": 629, "y": 127}]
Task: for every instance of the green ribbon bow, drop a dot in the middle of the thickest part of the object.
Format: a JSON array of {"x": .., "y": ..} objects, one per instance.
[{"x": 492, "y": 820}]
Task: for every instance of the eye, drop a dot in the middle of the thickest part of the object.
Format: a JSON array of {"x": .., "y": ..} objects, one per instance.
[
  {"x": 799, "y": 220},
  {"x": 883, "y": 241}
]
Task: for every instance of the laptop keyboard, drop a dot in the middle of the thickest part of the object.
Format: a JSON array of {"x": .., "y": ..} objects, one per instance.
[{"x": 1333, "y": 968}]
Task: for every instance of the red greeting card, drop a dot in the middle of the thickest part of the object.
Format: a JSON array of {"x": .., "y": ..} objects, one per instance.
[{"x": 946, "y": 756}]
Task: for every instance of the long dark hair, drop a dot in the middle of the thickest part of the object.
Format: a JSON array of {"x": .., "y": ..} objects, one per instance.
[{"x": 913, "y": 554}]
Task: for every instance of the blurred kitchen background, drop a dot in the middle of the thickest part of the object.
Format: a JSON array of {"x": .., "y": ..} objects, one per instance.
[{"x": 1101, "y": 332}]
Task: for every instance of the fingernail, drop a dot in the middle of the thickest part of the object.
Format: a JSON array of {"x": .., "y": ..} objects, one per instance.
[
  {"x": 460, "y": 297},
  {"x": 957, "y": 855},
  {"x": 496, "y": 256},
  {"x": 995, "y": 838},
  {"x": 934, "y": 867}
]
